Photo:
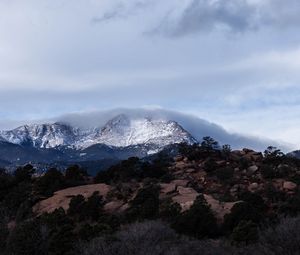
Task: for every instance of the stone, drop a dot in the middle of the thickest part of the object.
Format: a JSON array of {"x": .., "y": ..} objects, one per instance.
[
  {"x": 190, "y": 170},
  {"x": 180, "y": 165},
  {"x": 253, "y": 187},
  {"x": 278, "y": 183},
  {"x": 113, "y": 206},
  {"x": 290, "y": 186},
  {"x": 253, "y": 169},
  {"x": 178, "y": 158},
  {"x": 167, "y": 188},
  {"x": 182, "y": 183},
  {"x": 185, "y": 197},
  {"x": 185, "y": 191},
  {"x": 63, "y": 197}
]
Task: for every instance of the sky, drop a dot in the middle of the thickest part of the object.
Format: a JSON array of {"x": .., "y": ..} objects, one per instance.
[{"x": 232, "y": 62}]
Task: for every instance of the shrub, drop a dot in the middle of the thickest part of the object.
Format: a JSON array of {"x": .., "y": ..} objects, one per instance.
[
  {"x": 243, "y": 211},
  {"x": 88, "y": 232},
  {"x": 209, "y": 144},
  {"x": 86, "y": 210},
  {"x": 281, "y": 239},
  {"x": 124, "y": 171},
  {"x": 291, "y": 206},
  {"x": 93, "y": 207},
  {"x": 198, "y": 221},
  {"x": 50, "y": 182},
  {"x": 210, "y": 165},
  {"x": 268, "y": 172},
  {"x": 226, "y": 150},
  {"x": 149, "y": 237},
  {"x": 169, "y": 210},
  {"x": 145, "y": 205},
  {"x": 24, "y": 174},
  {"x": 76, "y": 205},
  {"x": 61, "y": 238},
  {"x": 3, "y": 235},
  {"x": 245, "y": 232},
  {"x": 75, "y": 175},
  {"x": 225, "y": 174},
  {"x": 255, "y": 200},
  {"x": 27, "y": 239}
]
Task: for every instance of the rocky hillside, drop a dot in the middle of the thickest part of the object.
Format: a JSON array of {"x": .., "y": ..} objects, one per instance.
[
  {"x": 223, "y": 178},
  {"x": 236, "y": 199}
]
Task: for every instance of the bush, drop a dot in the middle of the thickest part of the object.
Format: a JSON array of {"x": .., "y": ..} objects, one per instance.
[
  {"x": 152, "y": 238},
  {"x": 291, "y": 206},
  {"x": 169, "y": 210},
  {"x": 145, "y": 205},
  {"x": 28, "y": 238},
  {"x": 51, "y": 181},
  {"x": 3, "y": 235},
  {"x": 209, "y": 144},
  {"x": 24, "y": 174},
  {"x": 139, "y": 239},
  {"x": 243, "y": 211},
  {"x": 268, "y": 172},
  {"x": 255, "y": 200},
  {"x": 88, "y": 232},
  {"x": 245, "y": 232},
  {"x": 198, "y": 221},
  {"x": 75, "y": 175},
  {"x": 281, "y": 239},
  {"x": 225, "y": 174},
  {"x": 61, "y": 238},
  {"x": 93, "y": 207},
  {"x": 124, "y": 171},
  {"x": 210, "y": 165},
  {"x": 81, "y": 209},
  {"x": 76, "y": 205}
]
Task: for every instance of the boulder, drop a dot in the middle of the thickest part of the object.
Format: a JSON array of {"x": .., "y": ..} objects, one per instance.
[
  {"x": 185, "y": 197},
  {"x": 114, "y": 206},
  {"x": 253, "y": 169},
  {"x": 178, "y": 158},
  {"x": 220, "y": 209},
  {"x": 182, "y": 183},
  {"x": 290, "y": 186},
  {"x": 190, "y": 170},
  {"x": 167, "y": 188},
  {"x": 180, "y": 165},
  {"x": 63, "y": 197},
  {"x": 253, "y": 187}
]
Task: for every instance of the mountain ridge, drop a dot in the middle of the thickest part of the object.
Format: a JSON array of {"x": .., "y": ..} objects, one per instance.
[{"x": 121, "y": 131}]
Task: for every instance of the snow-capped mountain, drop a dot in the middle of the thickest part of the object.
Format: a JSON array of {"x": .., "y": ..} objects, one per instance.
[
  {"x": 43, "y": 135},
  {"x": 121, "y": 131}
]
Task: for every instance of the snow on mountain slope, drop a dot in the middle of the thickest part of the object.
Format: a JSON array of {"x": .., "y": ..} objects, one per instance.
[
  {"x": 120, "y": 131},
  {"x": 42, "y": 136}
]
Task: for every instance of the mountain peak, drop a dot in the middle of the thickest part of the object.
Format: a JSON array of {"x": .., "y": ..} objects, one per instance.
[{"x": 120, "y": 131}]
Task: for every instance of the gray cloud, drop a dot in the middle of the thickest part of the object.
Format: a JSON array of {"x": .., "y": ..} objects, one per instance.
[
  {"x": 196, "y": 126},
  {"x": 205, "y": 15},
  {"x": 122, "y": 11},
  {"x": 201, "y": 16}
]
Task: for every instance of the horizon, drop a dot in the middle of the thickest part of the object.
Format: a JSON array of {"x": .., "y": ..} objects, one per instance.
[
  {"x": 234, "y": 64},
  {"x": 194, "y": 125}
]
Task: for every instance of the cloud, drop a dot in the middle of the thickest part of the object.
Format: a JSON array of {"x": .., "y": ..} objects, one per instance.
[
  {"x": 123, "y": 10},
  {"x": 194, "y": 125},
  {"x": 205, "y": 16}
]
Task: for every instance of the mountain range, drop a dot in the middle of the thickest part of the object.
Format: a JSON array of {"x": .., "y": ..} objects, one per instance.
[
  {"x": 120, "y": 138},
  {"x": 101, "y": 139}
]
